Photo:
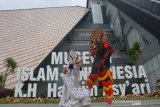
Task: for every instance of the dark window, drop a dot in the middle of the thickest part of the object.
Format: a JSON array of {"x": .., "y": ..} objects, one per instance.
[
  {"x": 145, "y": 41},
  {"x": 123, "y": 22},
  {"x": 98, "y": 3}
]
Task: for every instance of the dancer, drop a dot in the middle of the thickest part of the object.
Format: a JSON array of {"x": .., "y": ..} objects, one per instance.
[
  {"x": 73, "y": 95},
  {"x": 101, "y": 51}
]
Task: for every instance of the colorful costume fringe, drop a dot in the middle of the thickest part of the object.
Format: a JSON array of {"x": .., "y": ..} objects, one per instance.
[{"x": 103, "y": 75}]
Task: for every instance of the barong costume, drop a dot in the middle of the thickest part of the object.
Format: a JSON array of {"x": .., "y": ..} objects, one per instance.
[{"x": 101, "y": 51}]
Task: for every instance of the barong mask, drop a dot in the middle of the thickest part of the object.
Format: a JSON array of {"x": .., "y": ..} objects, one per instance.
[{"x": 98, "y": 40}]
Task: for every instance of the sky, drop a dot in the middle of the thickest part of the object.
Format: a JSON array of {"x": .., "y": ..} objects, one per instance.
[{"x": 26, "y": 4}]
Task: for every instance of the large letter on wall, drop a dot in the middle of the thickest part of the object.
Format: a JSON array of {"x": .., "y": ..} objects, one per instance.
[{"x": 56, "y": 58}]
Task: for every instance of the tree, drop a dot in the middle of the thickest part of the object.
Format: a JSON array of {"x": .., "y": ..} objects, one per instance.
[
  {"x": 10, "y": 64},
  {"x": 1, "y": 80},
  {"x": 134, "y": 53}
]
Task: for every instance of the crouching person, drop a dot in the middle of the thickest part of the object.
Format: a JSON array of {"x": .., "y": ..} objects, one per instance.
[{"x": 73, "y": 95}]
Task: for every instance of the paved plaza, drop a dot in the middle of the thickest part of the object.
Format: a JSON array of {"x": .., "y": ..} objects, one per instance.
[{"x": 116, "y": 103}]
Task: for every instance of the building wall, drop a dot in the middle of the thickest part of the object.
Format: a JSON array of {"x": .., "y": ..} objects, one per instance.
[
  {"x": 97, "y": 14},
  {"x": 28, "y": 35},
  {"x": 114, "y": 21},
  {"x": 130, "y": 31},
  {"x": 150, "y": 55},
  {"x": 152, "y": 68},
  {"x": 152, "y": 6},
  {"x": 112, "y": 15},
  {"x": 101, "y": 2}
]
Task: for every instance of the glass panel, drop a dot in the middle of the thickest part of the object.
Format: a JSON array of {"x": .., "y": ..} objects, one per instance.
[
  {"x": 146, "y": 68},
  {"x": 159, "y": 59},
  {"x": 155, "y": 63},
  {"x": 150, "y": 66},
  {"x": 153, "y": 78},
  {"x": 158, "y": 73}
]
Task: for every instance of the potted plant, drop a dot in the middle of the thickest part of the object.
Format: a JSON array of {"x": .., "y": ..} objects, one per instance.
[{"x": 134, "y": 53}]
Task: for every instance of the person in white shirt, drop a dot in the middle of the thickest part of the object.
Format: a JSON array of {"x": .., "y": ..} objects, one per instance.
[{"x": 73, "y": 95}]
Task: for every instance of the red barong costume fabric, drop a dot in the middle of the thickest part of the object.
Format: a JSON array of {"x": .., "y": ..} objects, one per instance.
[{"x": 101, "y": 50}]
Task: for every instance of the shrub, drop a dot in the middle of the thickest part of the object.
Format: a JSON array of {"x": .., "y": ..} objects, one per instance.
[{"x": 6, "y": 92}]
